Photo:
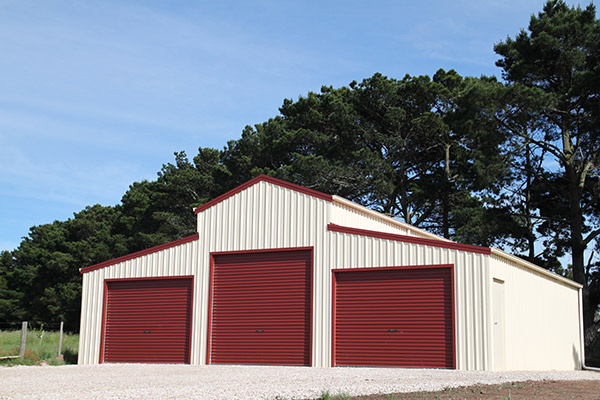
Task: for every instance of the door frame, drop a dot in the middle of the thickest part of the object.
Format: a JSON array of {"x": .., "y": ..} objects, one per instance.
[
  {"x": 149, "y": 278},
  {"x": 498, "y": 306},
  {"x": 212, "y": 256},
  {"x": 399, "y": 268}
]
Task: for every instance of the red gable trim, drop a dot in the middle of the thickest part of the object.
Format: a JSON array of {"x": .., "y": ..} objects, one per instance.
[
  {"x": 263, "y": 178},
  {"x": 410, "y": 239},
  {"x": 140, "y": 253}
]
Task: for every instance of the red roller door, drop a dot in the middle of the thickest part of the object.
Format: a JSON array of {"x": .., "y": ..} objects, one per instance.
[
  {"x": 261, "y": 308},
  {"x": 147, "y": 321},
  {"x": 401, "y": 317}
]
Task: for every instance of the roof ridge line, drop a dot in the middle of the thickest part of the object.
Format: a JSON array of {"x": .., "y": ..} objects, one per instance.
[{"x": 263, "y": 178}]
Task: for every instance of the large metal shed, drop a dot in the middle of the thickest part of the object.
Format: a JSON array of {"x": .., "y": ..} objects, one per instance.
[{"x": 279, "y": 274}]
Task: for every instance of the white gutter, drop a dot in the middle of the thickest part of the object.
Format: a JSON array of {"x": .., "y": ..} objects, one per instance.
[{"x": 385, "y": 218}]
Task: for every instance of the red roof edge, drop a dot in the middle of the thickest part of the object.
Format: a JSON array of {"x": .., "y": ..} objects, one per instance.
[
  {"x": 140, "y": 253},
  {"x": 263, "y": 178},
  {"x": 410, "y": 239}
]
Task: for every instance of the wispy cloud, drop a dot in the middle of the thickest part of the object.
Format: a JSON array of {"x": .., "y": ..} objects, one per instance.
[{"x": 63, "y": 179}]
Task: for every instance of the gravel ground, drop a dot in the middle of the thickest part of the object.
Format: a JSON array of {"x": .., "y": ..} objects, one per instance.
[{"x": 142, "y": 381}]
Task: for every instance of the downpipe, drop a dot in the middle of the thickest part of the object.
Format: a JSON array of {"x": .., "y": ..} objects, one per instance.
[
  {"x": 585, "y": 367},
  {"x": 582, "y": 343}
]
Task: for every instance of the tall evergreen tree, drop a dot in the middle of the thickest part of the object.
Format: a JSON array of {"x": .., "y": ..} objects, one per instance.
[
  {"x": 403, "y": 147},
  {"x": 45, "y": 266},
  {"x": 560, "y": 56},
  {"x": 11, "y": 293}
]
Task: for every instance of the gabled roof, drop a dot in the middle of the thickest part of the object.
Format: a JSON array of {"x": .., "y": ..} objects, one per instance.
[
  {"x": 320, "y": 195},
  {"x": 263, "y": 178},
  {"x": 421, "y": 237}
]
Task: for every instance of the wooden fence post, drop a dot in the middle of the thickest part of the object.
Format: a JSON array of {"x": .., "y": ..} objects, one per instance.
[
  {"x": 23, "y": 340},
  {"x": 60, "y": 338}
]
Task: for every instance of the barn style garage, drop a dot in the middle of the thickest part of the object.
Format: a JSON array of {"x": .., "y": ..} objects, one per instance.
[{"x": 279, "y": 274}]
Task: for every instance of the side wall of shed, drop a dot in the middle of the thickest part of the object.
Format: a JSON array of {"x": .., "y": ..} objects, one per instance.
[
  {"x": 174, "y": 261},
  {"x": 541, "y": 319}
]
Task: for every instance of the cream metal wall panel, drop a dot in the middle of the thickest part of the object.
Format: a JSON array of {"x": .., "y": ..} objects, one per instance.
[
  {"x": 347, "y": 213},
  {"x": 346, "y": 216},
  {"x": 173, "y": 261},
  {"x": 263, "y": 216},
  {"x": 470, "y": 269},
  {"x": 542, "y": 329}
]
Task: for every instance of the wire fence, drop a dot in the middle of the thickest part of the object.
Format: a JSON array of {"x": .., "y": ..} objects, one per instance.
[
  {"x": 31, "y": 325},
  {"x": 34, "y": 341}
]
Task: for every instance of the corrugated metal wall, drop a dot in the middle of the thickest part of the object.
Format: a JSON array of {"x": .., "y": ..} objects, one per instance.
[
  {"x": 471, "y": 292},
  {"x": 346, "y": 213},
  {"x": 268, "y": 216},
  {"x": 264, "y": 216},
  {"x": 541, "y": 319},
  {"x": 175, "y": 261},
  {"x": 346, "y": 216}
]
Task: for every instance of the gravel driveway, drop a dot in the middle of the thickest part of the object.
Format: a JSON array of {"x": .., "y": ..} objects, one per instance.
[{"x": 142, "y": 381}]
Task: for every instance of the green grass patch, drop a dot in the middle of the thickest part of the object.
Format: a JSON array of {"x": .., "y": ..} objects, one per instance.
[
  {"x": 326, "y": 396},
  {"x": 40, "y": 348}
]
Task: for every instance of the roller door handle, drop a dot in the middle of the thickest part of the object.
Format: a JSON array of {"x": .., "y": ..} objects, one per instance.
[
  {"x": 147, "y": 331},
  {"x": 392, "y": 330},
  {"x": 260, "y": 331}
]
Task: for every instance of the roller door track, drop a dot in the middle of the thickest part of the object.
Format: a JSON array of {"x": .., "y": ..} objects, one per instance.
[
  {"x": 261, "y": 304},
  {"x": 147, "y": 321},
  {"x": 394, "y": 317}
]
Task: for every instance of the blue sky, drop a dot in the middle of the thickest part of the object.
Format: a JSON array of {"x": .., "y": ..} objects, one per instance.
[{"x": 95, "y": 95}]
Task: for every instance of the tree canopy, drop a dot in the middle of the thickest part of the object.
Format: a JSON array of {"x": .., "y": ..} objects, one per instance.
[{"x": 557, "y": 59}]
